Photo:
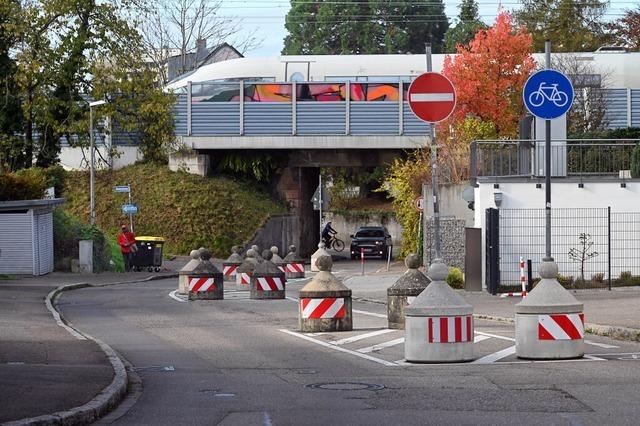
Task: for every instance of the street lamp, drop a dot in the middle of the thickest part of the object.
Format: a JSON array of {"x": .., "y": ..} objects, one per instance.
[{"x": 92, "y": 190}]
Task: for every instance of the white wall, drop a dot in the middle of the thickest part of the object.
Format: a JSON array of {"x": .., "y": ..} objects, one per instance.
[
  {"x": 565, "y": 194},
  {"x": 72, "y": 158}
]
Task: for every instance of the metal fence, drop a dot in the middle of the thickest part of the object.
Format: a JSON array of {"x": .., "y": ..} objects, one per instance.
[
  {"x": 570, "y": 157},
  {"x": 593, "y": 247}
]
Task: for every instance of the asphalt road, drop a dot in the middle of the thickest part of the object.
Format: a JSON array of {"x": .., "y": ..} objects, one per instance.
[{"x": 243, "y": 362}]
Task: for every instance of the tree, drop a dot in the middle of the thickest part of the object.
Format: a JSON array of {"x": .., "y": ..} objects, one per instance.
[
  {"x": 489, "y": 75},
  {"x": 571, "y": 25},
  {"x": 583, "y": 253},
  {"x": 10, "y": 108},
  {"x": 626, "y": 30},
  {"x": 468, "y": 25},
  {"x": 178, "y": 26},
  {"x": 364, "y": 27}
]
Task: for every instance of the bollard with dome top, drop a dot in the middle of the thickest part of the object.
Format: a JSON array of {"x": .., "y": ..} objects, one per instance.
[
  {"x": 230, "y": 265},
  {"x": 257, "y": 255},
  {"x": 404, "y": 291},
  {"x": 205, "y": 281},
  {"x": 245, "y": 270},
  {"x": 183, "y": 287},
  {"x": 277, "y": 259},
  {"x": 439, "y": 322},
  {"x": 293, "y": 264},
  {"x": 314, "y": 257},
  {"x": 267, "y": 281},
  {"x": 325, "y": 302}
]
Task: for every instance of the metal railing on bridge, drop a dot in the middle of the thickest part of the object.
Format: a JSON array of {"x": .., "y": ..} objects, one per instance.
[
  {"x": 296, "y": 108},
  {"x": 569, "y": 158}
]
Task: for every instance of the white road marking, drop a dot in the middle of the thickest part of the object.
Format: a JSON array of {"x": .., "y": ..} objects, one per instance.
[
  {"x": 293, "y": 299},
  {"x": 594, "y": 358},
  {"x": 361, "y": 336},
  {"x": 491, "y": 358},
  {"x": 340, "y": 349},
  {"x": 372, "y": 314},
  {"x": 601, "y": 345},
  {"x": 497, "y": 336},
  {"x": 380, "y": 346},
  {"x": 176, "y": 297},
  {"x": 479, "y": 338}
]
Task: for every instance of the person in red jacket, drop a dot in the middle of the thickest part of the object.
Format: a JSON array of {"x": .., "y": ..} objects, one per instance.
[{"x": 127, "y": 241}]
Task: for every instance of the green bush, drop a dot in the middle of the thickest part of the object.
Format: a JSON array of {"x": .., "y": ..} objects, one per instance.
[
  {"x": 565, "y": 281},
  {"x": 597, "y": 278},
  {"x": 68, "y": 231},
  {"x": 455, "y": 278},
  {"x": 22, "y": 187},
  {"x": 635, "y": 161},
  {"x": 625, "y": 276}
]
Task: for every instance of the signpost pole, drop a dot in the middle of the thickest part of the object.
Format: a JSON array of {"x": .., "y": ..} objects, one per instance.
[
  {"x": 92, "y": 173},
  {"x": 320, "y": 203},
  {"x": 547, "y": 166},
  {"x": 434, "y": 174},
  {"x": 130, "y": 214}
]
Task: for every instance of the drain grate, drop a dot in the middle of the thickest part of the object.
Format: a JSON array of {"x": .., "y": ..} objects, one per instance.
[{"x": 346, "y": 386}]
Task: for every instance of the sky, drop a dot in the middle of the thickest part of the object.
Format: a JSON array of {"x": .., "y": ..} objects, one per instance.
[{"x": 265, "y": 18}]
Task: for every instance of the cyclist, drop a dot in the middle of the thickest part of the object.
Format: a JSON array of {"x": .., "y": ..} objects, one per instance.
[{"x": 327, "y": 232}]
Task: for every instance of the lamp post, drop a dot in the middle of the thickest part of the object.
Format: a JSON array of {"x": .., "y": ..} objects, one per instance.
[{"x": 92, "y": 166}]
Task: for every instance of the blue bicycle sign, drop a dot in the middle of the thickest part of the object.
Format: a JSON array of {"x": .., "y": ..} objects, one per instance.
[{"x": 548, "y": 94}]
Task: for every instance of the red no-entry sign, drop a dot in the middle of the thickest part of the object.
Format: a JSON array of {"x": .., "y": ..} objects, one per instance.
[{"x": 432, "y": 97}]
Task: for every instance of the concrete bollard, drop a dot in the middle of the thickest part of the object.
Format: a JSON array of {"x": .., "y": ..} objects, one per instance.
[
  {"x": 325, "y": 303},
  {"x": 267, "y": 281},
  {"x": 230, "y": 265},
  {"x": 205, "y": 281},
  {"x": 245, "y": 270},
  {"x": 293, "y": 264},
  {"x": 276, "y": 258},
  {"x": 439, "y": 322},
  {"x": 550, "y": 320},
  {"x": 256, "y": 250},
  {"x": 314, "y": 257},
  {"x": 183, "y": 285},
  {"x": 404, "y": 291}
]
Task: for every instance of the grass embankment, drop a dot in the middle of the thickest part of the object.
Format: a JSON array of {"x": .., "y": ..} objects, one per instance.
[{"x": 189, "y": 211}]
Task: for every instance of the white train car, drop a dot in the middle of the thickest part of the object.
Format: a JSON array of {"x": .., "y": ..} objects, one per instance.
[{"x": 617, "y": 69}]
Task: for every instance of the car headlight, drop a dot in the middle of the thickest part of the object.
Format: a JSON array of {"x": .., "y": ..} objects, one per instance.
[{"x": 378, "y": 243}]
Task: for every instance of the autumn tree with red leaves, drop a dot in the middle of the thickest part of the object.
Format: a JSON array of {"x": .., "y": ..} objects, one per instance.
[{"x": 489, "y": 74}]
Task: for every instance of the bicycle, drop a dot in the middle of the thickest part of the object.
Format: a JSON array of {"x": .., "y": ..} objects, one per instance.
[
  {"x": 335, "y": 243},
  {"x": 549, "y": 92}
]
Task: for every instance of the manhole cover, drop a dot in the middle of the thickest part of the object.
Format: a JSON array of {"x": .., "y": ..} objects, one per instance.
[{"x": 345, "y": 386}]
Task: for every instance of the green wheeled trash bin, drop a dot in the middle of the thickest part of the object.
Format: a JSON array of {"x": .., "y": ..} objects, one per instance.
[{"x": 149, "y": 253}]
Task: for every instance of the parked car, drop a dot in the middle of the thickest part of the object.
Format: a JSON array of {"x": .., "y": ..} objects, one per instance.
[{"x": 374, "y": 240}]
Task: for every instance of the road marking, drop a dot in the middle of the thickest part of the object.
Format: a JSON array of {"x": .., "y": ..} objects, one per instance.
[
  {"x": 479, "y": 338},
  {"x": 491, "y": 358},
  {"x": 601, "y": 345},
  {"x": 372, "y": 314},
  {"x": 381, "y": 346},
  {"x": 594, "y": 358},
  {"x": 615, "y": 354},
  {"x": 293, "y": 299},
  {"x": 174, "y": 296},
  {"x": 497, "y": 336},
  {"x": 340, "y": 349},
  {"x": 361, "y": 336}
]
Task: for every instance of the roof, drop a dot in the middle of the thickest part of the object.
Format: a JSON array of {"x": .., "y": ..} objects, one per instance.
[{"x": 29, "y": 204}]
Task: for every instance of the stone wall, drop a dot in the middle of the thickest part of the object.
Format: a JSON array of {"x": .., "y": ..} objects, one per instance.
[
  {"x": 452, "y": 243},
  {"x": 280, "y": 231}
]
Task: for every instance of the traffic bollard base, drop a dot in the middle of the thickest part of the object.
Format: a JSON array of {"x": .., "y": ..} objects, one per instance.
[
  {"x": 326, "y": 312},
  {"x": 418, "y": 348},
  {"x": 532, "y": 342},
  {"x": 395, "y": 311}
]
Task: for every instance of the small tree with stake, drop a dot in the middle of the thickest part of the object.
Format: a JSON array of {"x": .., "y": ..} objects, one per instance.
[{"x": 583, "y": 252}]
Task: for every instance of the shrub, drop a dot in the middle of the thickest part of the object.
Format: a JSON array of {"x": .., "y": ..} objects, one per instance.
[
  {"x": 21, "y": 186},
  {"x": 565, "y": 281},
  {"x": 625, "y": 276},
  {"x": 455, "y": 278},
  {"x": 68, "y": 231},
  {"x": 597, "y": 278},
  {"x": 635, "y": 161}
]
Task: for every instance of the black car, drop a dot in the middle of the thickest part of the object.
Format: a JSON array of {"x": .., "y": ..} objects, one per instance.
[{"x": 373, "y": 240}]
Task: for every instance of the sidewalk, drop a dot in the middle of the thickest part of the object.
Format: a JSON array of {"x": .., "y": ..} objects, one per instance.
[
  {"x": 618, "y": 308},
  {"x": 43, "y": 368}
]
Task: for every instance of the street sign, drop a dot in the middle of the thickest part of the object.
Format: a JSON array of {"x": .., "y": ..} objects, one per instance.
[
  {"x": 317, "y": 198},
  {"x": 432, "y": 97},
  {"x": 419, "y": 204},
  {"x": 548, "y": 94},
  {"x": 129, "y": 209},
  {"x": 122, "y": 188}
]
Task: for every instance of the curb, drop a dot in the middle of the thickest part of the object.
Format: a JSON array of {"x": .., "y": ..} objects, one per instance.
[{"x": 110, "y": 396}]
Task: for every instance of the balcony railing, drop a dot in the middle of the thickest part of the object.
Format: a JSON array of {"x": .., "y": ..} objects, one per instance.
[{"x": 569, "y": 158}]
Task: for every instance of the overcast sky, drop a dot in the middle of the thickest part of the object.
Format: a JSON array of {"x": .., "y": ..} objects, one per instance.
[{"x": 266, "y": 18}]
